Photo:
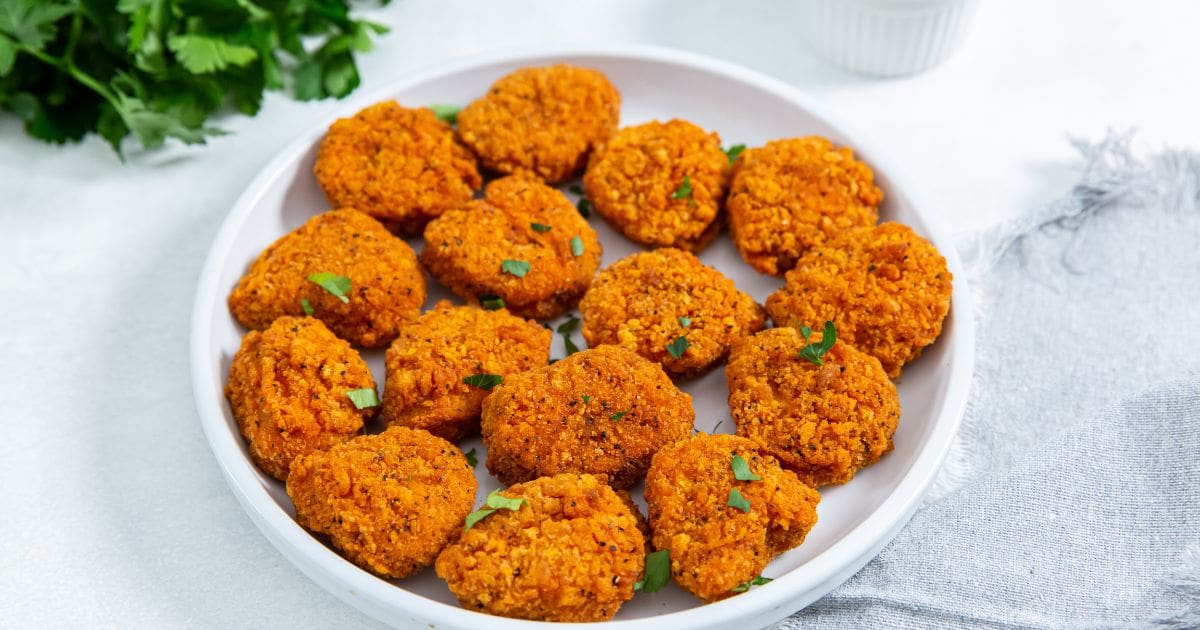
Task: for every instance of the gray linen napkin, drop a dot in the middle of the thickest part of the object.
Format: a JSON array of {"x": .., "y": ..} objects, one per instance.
[{"x": 1072, "y": 495}]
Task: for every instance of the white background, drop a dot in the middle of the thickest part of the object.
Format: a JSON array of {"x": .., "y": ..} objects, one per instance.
[{"x": 112, "y": 510}]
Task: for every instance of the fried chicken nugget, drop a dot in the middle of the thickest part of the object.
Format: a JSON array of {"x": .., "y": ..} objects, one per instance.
[
  {"x": 823, "y": 422},
  {"x": 389, "y": 503},
  {"x": 401, "y": 166},
  {"x": 427, "y": 363},
  {"x": 523, "y": 242},
  {"x": 287, "y": 387},
  {"x": 886, "y": 289},
  {"x": 647, "y": 301},
  {"x": 571, "y": 552},
  {"x": 660, "y": 184},
  {"x": 541, "y": 122},
  {"x": 387, "y": 287},
  {"x": 603, "y": 411},
  {"x": 715, "y": 546},
  {"x": 793, "y": 194}
]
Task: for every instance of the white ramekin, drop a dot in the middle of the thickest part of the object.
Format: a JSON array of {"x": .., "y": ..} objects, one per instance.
[{"x": 886, "y": 38}]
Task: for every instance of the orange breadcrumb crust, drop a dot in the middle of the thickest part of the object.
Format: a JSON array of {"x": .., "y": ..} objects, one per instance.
[
  {"x": 886, "y": 289},
  {"x": 572, "y": 552},
  {"x": 389, "y": 503},
  {"x": 793, "y": 194},
  {"x": 427, "y": 363},
  {"x": 636, "y": 303},
  {"x": 715, "y": 547},
  {"x": 402, "y": 166},
  {"x": 387, "y": 286},
  {"x": 631, "y": 180},
  {"x": 541, "y": 122},
  {"x": 287, "y": 387},
  {"x": 822, "y": 422},
  {"x": 465, "y": 249},
  {"x": 536, "y": 423}
]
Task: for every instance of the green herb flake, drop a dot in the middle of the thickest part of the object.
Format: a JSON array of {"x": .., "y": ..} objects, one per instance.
[
  {"x": 678, "y": 347},
  {"x": 569, "y": 326},
  {"x": 736, "y": 500},
  {"x": 540, "y": 228},
  {"x": 586, "y": 399},
  {"x": 616, "y": 417},
  {"x": 813, "y": 352},
  {"x": 483, "y": 381},
  {"x": 685, "y": 321},
  {"x": 576, "y": 246},
  {"x": 569, "y": 345},
  {"x": 658, "y": 572},
  {"x": 306, "y": 306},
  {"x": 576, "y": 189},
  {"x": 337, "y": 286},
  {"x": 364, "y": 398},
  {"x": 471, "y": 459},
  {"x": 516, "y": 268},
  {"x": 491, "y": 302},
  {"x": 584, "y": 207},
  {"x": 495, "y": 502},
  {"x": 446, "y": 113},
  {"x": 734, "y": 151},
  {"x": 741, "y": 470},
  {"x": 745, "y": 586},
  {"x": 685, "y": 189}
]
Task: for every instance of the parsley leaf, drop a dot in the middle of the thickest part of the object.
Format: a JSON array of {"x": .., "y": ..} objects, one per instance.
[
  {"x": 678, "y": 347},
  {"x": 736, "y": 500},
  {"x": 540, "y": 228},
  {"x": 484, "y": 381},
  {"x": 685, "y": 321},
  {"x": 814, "y": 351},
  {"x": 337, "y": 286},
  {"x": 199, "y": 54},
  {"x": 471, "y": 459},
  {"x": 734, "y": 151},
  {"x": 491, "y": 302},
  {"x": 363, "y": 398},
  {"x": 516, "y": 268},
  {"x": 745, "y": 586},
  {"x": 306, "y": 306},
  {"x": 584, "y": 207},
  {"x": 741, "y": 469},
  {"x": 658, "y": 572},
  {"x": 586, "y": 399},
  {"x": 569, "y": 326},
  {"x": 685, "y": 189},
  {"x": 616, "y": 417},
  {"x": 576, "y": 246},
  {"x": 446, "y": 113},
  {"x": 495, "y": 502}
]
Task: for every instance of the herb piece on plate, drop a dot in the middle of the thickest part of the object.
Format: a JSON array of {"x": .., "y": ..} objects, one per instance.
[
  {"x": 736, "y": 500},
  {"x": 363, "y": 398},
  {"x": 484, "y": 381},
  {"x": 495, "y": 502},
  {"x": 745, "y": 586},
  {"x": 658, "y": 572},
  {"x": 813, "y": 352},
  {"x": 576, "y": 246},
  {"x": 516, "y": 268},
  {"x": 741, "y": 469},
  {"x": 685, "y": 190},
  {"x": 446, "y": 113},
  {"x": 491, "y": 302},
  {"x": 616, "y": 417},
  {"x": 678, "y": 347},
  {"x": 734, "y": 151},
  {"x": 337, "y": 286},
  {"x": 471, "y": 459}
]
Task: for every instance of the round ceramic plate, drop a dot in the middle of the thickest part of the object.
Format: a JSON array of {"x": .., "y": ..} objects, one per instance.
[{"x": 855, "y": 520}]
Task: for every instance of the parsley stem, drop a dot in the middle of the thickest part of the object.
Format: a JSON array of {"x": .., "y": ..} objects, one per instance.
[{"x": 82, "y": 77}]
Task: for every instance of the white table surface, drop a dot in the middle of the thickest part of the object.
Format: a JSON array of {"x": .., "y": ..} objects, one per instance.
[{"x": 114, "y": 513}]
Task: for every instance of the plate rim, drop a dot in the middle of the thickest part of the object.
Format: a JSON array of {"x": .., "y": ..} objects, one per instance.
[{"x": 381, "y": 599}]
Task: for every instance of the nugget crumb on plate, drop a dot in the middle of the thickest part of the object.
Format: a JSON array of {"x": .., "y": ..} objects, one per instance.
[
  {"x": 390, "y": 502},
  {"x": 542, "y": 121},
  {"x": 387, "y": 287},
  {"x": 524, "y": 242},
  {"x": 427, "y": 363},
  {"x": 571, "y": 552},
  {"x": 823, "y": 422},
  {"x": 646, "y": 301},
  {"x": 714, "y": 546},
  {"x": 660, "y": 184},
  {"x": 288, "y": 390},
  {"x": 402, "y": 166},
  {"x": 793, "y": 194},
  {"x": 886, "y": 289},
  {"x": 603, "y": 411}
]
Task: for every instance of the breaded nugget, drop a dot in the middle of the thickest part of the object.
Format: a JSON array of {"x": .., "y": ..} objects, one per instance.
[
  {"x": 402, "y": 166},
  {"x": 886, "y": 289},
  {"x": 523, "y": 242},
  {"x": 571, "y": 552},
  {"x": 715, "y": 546},
  {"x": 660, "y": 184},
  {"x": 541, "y": 122},
  {"x": 389, "y": 503},
  {"x": 793, "y": 194},
  {"x": 387, "y": 287},
  {"x": 823, "y": 422},
  {"x": 603, "y": 411},
  {"x": 427, "y": 363},
  {"x": 647, "y": 301},
  {"x": 287, "y": 387}
]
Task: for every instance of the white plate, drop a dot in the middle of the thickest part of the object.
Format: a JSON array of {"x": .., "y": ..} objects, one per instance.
[{"x": 856, "y": 520}]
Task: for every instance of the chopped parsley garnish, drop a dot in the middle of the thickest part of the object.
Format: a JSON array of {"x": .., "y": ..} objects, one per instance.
[
  {"x": 540, "y": 228},
  {"x": 586, "y": 399},
  {"x": 337, "y": 286},
  {"x": 734, "y": 151},
  {"x": 576, "y": 246},
  {"x": 446, "y": 113},
  {"x": 685, "y": 189},
  {"x": 584, "y": 207},
  {"x": 471, "y": 457},
  {"x": 495, "y": 501},
  {"x": 516, "y": 268},
  {"x": 745, "y": 586},
  {"x": 576, "y": 188},
  {"x": 741, "y": 470},
  {"x": 304, "y": 304},
  {"x": 685, "y": 321},
  {"x": 814, "y": 351},
  {"x": 491, "y": 302},
  {"x": 364, "y": 398},
  {"x": 658, "y": 572},
  {"x": 736, "y": 500},
  {"x": 616, "y": 417},
  {"x": 678, "y": 347},
  {"x": 483, "y": 381},
  {"x": 565, "y": 329},
  {"x": 569, "y": 345}
]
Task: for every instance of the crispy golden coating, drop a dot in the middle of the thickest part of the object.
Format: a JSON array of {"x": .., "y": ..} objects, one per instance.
[
  {"x": 538, "y": 423},
  {"x": 541, "y": 122},
  {"x": 886, "y": 289},
  {"x": 466, "y": 248},
  {"x": 793, "y": 194},
  {"x": 390, "y": 502},
  {"x": 402, "y": 166},
  {"x": 715, "y": 547},
  {"x": 427, "y": 363},
  {"x": 823, "y": 422},
  {"x": 572, "y": 552},
  {"x": 387, "y": 286},
  {"x": 634, "y": 178},
  {"x": 287, "y": 387},
  {"x": 637, "y": 304}
]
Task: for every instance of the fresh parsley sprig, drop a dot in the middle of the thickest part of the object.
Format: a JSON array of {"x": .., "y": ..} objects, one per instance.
[
  {"x": 658, "y": 572},
  {"x": 745, "y": 586},
  {"x": 495, "y": 502},
  {"x": 813, "y": 352}
]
